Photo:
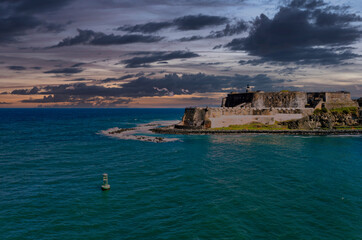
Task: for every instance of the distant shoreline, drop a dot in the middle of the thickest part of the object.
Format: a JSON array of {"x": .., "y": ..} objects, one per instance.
[{"x": 171, "y": 130}]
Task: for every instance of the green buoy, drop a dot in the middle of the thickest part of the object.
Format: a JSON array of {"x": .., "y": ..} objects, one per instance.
[{"x": 105, "y": 185}]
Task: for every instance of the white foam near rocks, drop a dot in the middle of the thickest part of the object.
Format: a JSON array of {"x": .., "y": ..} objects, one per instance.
[{"x": 137, "y": 133}]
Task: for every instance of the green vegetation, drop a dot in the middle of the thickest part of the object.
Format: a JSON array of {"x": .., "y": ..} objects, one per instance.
[
  {"x": 345, "y": 110},
  {"x": 253, "y": 126},
  {"x": 320, "y": 111}
]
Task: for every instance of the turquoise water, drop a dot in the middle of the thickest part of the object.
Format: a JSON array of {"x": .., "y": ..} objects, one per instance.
[{"x": 200, "y": 187}]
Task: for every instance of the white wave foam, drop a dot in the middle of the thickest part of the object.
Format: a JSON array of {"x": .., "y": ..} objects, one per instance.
[{"x": 137, "y": 132}]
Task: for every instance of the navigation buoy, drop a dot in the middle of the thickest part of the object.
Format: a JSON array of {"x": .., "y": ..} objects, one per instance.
[{"x": 105, "y": 185}]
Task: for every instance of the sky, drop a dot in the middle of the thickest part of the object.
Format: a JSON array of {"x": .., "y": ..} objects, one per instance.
[{"x": 163, "y": 53}]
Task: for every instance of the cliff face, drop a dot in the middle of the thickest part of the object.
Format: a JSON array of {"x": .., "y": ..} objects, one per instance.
[{"x": 324, "y": 120}]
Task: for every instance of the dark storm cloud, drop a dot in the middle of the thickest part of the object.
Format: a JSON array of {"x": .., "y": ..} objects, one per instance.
[
  {"x": 303, "y": 32},
  {"x": 286, "y": 71},
  {"x": 98, "y": 38},
  {"x": 79, "y": 80},
  {"x": 217, "y": 47},
  {"x": 49, "y": 99},
  {"x": 79, "y": 101},
  {"x": 309, "y": 4},
  {"x": 185, "y": 23},
  {"x": 18, "y": 17},
  {"x": 77, "y": 65},
  {"x": 139, "y": 74},
  {"x": 169, "y": 85},
  {"x": 229, "y": 30},
  {"x": 330, "y": 19},
  {"x": 157, "y": 56},
  {"x": 16, "y": 68},
  {"x": 304, "y": 56},
  {"x": 150, "y": 27},
  {"x": 77, "y": 95},
  {"x": 168, "y": 3},
  {"x": 193, "y": 83},
  {"x": 36, "y": 6},
  {"x": 32, "y": 91},
  {"x": 192, "y": 38},
  {"x": 13, "y": 26},
  {"x": 82, "y": 89},
  {"x": 4, "y": 103},
  {"x": 70, "y": 70},
  {"x": 196, "y": 22},
  {"x": 108, "y": 80},
  {"x": 210, "y": 63},
  {"x": 36, "y": 68}
]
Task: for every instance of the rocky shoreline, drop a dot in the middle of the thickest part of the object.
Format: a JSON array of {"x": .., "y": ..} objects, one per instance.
[
  {"x": 141, "y": 132},
  {"x": 319, "y": 132}
]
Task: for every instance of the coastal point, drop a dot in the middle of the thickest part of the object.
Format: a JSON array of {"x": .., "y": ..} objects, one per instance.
[{"x": 276, "y": 112}]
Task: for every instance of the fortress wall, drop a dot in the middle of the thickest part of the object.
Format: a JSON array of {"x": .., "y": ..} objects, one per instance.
[
  {"x": 267, "y": 99},
  {"x": 233, "y": 100},
  {"x": 338, "y": 97},
  {"x": 226, "y": 121},
  {"x": 193, "y": 117},
  {"x": 224, "y": 117},
  {"x": 218, "y": 112},
  {"x": 315, "y": 99},
  {"x": 338, "y": 100},
  {"x": 279, "y": 100},
  {"x": 263, "y": 100},
  {"x": 263, "y": 107}
]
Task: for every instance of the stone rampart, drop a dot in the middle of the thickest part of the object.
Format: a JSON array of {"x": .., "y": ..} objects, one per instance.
[
  {"x": 267, "y": 99},
  {"x": 338, "y": 100},
  {"x": 198, "y": 118},
  {"x": 279, "y": 100},
  {"x": 263, "y": 107}
]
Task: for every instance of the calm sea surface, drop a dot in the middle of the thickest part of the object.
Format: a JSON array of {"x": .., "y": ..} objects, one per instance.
[{"x": 199, "y": 187}]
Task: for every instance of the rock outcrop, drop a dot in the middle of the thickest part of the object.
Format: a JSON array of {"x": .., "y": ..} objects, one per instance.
[{"x": 328, "y": 120}]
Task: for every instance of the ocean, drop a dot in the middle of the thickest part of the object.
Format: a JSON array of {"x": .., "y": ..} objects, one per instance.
[{"x": 191, "y": 187}]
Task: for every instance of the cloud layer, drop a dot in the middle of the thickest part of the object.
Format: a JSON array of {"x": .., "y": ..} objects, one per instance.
[
  {"x": 169, "y": 85},
  {"x": 109, "y": 52},
  {"x": 185, "y": 23},
  {"x": 19, "y": 17},
  {"x": 89, "y": 37},
  {"x": 303, "y": 32},
  {"x": 152, "y": 57}
]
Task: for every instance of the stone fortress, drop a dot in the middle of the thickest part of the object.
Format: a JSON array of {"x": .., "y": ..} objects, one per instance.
[{"x": 262, "y": 107}]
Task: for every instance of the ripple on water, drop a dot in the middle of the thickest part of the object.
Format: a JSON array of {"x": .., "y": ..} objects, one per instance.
[{"x": 203, "y": 187}]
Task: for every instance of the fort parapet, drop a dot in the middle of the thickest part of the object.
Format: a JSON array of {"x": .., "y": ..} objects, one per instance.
[{"x": 263, "y": 107}]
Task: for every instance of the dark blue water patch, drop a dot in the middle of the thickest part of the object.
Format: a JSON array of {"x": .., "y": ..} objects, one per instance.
[{"x": 203, "y": 187}]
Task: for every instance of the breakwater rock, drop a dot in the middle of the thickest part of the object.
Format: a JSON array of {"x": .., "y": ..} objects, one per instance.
[{"x": 140, "y": 133}]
